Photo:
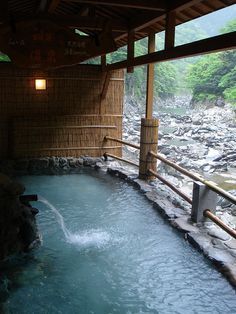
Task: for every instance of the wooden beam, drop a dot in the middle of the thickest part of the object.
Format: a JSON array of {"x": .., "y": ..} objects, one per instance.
[
  {"x": 42, "y": 6},
  {"x": 179, "y": 5},
  {"x": 130, "y": 51},
  {"x": 74, "y": 21},
  {"x": 153, "y": 5},
  {"x": 52, "y": 5},
  {"x": 103, "y": 62},
  {"x": 170, "y": 30},
  {"x": 84, "y": 11},
  {"x": 86, "y": 22},
  {"x": 204, "y": 46},
  {"x": 150, "y": 78},
  {"x": 144, "y": 20},
  {"x": 3, "y": 10},
  {"x": 105, "y": 85}
]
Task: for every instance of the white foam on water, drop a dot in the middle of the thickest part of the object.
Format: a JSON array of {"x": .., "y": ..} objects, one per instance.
[{"x": 88, "y": 238}]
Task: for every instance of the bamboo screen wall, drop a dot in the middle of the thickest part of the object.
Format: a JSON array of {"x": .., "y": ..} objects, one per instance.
[{"x": 68, "y": 119}]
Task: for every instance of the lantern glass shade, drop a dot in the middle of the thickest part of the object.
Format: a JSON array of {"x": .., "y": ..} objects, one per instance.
[{"x": 40, "y": 84}]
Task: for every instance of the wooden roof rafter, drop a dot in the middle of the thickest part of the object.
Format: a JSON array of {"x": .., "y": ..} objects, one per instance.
[
  {"x": 121, "y": 17},
  {"x": 146, "y": 20},
  {"x": 85, "y": 22},
  {"x": 153, "y": 5}
]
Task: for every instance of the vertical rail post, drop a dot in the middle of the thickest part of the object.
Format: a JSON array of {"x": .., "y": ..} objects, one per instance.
[
  {"x": 203, "y": 198},
  {"x": 148, "y": 142}
]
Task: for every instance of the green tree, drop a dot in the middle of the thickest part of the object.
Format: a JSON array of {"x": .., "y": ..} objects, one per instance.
[
  {"x": 4, "y": 58},
  {"x": 215, "y": 75}
]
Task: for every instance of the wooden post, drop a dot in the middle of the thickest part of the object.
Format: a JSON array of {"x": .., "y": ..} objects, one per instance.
[
  {"x": 105, "y": 85},
  {"x": 103, "y": 62},
  {"x": 150, "y": 78},
  {"x": 148, "y": 142},
  {"x": 130, "y": 52},
  {"x": 170, "y": 30},
  {"x": 149, "y": 126}
]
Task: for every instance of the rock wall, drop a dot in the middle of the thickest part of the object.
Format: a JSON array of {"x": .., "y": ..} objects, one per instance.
[
  {"x": 18, "y": 228},
  {"x": 46, "y": 165}
]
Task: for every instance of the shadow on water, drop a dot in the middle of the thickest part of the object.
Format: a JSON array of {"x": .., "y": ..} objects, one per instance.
[{"x": 22, "y": 269}]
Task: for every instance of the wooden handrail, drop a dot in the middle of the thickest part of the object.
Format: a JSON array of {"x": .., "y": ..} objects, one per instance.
[
  {"x": 185, "y": 172},
  {"x": 171, "y": 186},
  {"x": 106, "y": 138},
  {"x": 195, "y": 177},
  {"x": 207, "y": 213},
  {"x": 119, "y": 158}
]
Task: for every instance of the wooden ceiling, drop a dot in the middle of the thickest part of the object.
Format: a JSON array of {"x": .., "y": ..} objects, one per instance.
[{"x": 123, "y": 16}]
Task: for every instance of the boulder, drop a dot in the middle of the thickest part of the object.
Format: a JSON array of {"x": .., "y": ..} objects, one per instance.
[{"x": 220, "y": 102}]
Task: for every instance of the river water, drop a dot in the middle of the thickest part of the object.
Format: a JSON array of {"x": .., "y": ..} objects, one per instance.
[{"x": 106, "y": 250}]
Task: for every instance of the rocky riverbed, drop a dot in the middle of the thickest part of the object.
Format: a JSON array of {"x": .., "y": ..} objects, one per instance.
[{"x": 201, "y": 139}]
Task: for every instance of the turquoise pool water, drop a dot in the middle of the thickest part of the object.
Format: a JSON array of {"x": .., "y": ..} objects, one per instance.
[{"x": 120, "y": 256}]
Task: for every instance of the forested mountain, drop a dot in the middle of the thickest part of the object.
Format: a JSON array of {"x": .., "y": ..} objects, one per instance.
[
  {"x": 208, "y": 77},
  {"x": 214, "y": 75}
]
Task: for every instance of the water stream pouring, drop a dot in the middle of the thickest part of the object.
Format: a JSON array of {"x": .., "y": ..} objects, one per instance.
[
  {"x": 87, "y": 238},
  {"x": 59, "y": 217}
]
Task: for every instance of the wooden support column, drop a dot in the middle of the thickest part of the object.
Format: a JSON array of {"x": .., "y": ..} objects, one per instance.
[
  {"x": 105, "y": 85},
  {"x": 170, "y": 30},
  {"x": 148, "y": 142},
  {"x": 150, "y": 78},
  {"x": 103, "y": 62},
  {"x": 130, "y": 52},
  {"x": 149, "y": 126}
]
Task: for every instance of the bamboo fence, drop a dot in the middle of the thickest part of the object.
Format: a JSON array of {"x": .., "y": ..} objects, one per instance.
[{"x": 70, "y": 118}]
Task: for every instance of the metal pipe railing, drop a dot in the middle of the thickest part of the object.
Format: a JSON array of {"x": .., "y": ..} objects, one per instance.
[
  {"x": 119, "y": 158},
  {"x": 195, "y": 177},
  {"x": 106, "y": 138},
  {"x": 171, "y": 186},
  {"x": 207, "y": 213}
]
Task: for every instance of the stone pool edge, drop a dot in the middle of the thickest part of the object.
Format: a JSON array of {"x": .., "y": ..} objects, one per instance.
[
  {"x": 214, "y": 243},
  {"x": 222, "y": 256}
]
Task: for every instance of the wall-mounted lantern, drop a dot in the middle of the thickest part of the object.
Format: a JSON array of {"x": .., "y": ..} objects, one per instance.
[{"x": 40, "y": 84}]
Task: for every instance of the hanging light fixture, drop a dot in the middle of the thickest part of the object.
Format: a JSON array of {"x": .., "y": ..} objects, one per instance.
[{"x": 40, "y": 84}]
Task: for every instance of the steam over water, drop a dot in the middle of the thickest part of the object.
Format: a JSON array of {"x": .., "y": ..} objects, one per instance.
[{"x": 106, "y": 250}]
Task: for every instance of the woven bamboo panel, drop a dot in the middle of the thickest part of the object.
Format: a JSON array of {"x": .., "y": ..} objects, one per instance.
[{"x": 68, "y": 119}]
